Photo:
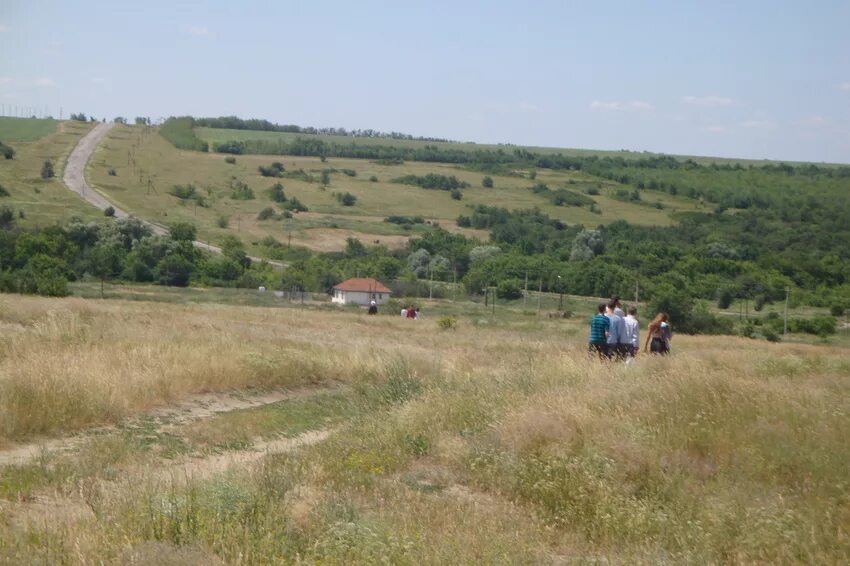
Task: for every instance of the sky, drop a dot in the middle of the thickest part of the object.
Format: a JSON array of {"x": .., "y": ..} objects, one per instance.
[{"x": 754, "y": 79}]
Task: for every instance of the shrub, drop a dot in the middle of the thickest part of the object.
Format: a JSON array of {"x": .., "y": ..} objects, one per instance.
[
  {"x": 276, "y": 169},
  {"x": 349, "y": 172},
  {"x": 456, "y": 194},
  {"x": 266, "y": 213},
  {"x": 3, "y": 191},
  {"x": 184, "y": 192},
  {"x": 231, "y": 147},
  {"x": 373, "y": 178},
  {"x": 276, "y": 193},
  {"x": 223, "y": 221},
  {"x": 47, "y": 170},
  {"x": 487, "y": 182},
  {"x": 447, "y": 323},
  {"x": 8, "y": 152},
  {"x": 770, "y": 335},
  {"x": 294, "y": 205},
  {"x": 509, "y": 289},
  {"x": 109, "y": 211},
  {"x": 183, "y": 232},
  {"x": 111, "y": 172},
  {"x": 230, "y": 160},
  {"x": 724, "y": 298},
  {"x": 836, "y": 310},
  {"x": 7, "y": 217},
  {"x": 346, "y": 199},
  {"x": 241, "y": 191}
]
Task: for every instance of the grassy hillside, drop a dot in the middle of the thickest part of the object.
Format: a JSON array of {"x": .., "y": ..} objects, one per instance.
[
  {"x": 43, "y": 202},
  {"x": 137, "y": 157},
  {"x": 25, "y": 129},
  {"x": 498, "y": 442}
]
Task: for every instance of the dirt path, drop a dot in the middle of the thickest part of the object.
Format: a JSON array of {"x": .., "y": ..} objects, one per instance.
[
  {"x": 75, "y": 179},
  {"x": 197, "y": 407}
]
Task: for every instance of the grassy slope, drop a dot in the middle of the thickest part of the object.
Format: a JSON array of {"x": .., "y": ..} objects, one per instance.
[
  {"x": 44, "y": 202},
  {"x": 499, "y": 442},
  {"x": 166, "y": 166},
  {"x": 25, "y": 129}
]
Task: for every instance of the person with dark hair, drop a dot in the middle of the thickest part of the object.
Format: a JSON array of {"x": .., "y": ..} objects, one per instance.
[
  {"x": 616, "y": 334},
  {"x": 599, "y": 326},
  {"x": 658, "y": 335}
]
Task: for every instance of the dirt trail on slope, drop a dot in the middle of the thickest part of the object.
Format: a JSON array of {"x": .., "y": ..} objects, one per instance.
[
  {"x": 194, "y": 408},
  {"x": 75, "y": 179}
]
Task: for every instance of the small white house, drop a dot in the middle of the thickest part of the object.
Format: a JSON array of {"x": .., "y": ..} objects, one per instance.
[{"x": 360, "y": 291}]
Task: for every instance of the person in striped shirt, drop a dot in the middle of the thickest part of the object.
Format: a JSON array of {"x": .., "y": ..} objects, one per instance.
[{"x": 599, "y": 327}]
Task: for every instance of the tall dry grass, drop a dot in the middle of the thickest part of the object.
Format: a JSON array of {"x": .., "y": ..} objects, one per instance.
[{"x": 497, "y": 443}]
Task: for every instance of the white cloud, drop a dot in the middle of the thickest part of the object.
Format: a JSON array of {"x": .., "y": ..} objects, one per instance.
[
  {"x": 845, "y": 86},
  {"x": 618, "y": 106},
  {"x": 710, "y": 101},
  {"x": 197, "y": 30},
  {"x": 4, "y": 28},
  {"x": 758, "y": 124},
  {"x": 814, "y": 120},
  {"x": 42, "y": 82}
]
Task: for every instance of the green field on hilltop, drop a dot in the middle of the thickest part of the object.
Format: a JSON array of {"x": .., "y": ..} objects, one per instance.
[
  {"x": 43, "y": 202},
  {"x": 147, "y": 167},
  {"x": 25, "y": 129}
]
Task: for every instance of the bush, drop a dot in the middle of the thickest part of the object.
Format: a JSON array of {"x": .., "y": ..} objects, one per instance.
[
  {"x": 222, "y": 221},
  {"x": 456, "y": 194},
  {"x": 276, "y": 169},
  {"x": 447, "y": 323},
  {"x": 241, "y": 191},
  {"x": 47, "y": 170},
  {"x": 109, "y": 211},
  {"x": 266, "y": 213},
  {"x": 346, "y": 199},
  {"x": 487, "y": 182},
  {"x": 294, "y": 205},
  {"x": 276, "y": 193},
  {"x": 183, "y": 232},
  {"x": 509, "y": 289},
  {"x": 349, "y": 172},
  {"x": 770, "y": 335},
  {"x": 3, "y": 191},
  {"x": 725, "y": 296},
  {"x": 8, "y": 152},
  {"x": 373, "y": 178},
  {"x": 836, "y": 310},
  {"x": 231, "y": 147},
  {"x": 7, "y": 217},
  {"x": 230, "y": 160},
  {"x": 111, "y": 172}
]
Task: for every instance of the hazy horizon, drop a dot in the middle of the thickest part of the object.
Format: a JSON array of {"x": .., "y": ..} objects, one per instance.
[{"x": 766, "y": 80}]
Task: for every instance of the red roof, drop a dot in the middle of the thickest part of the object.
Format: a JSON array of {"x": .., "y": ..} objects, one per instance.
[{"x": 363, "y": 285}]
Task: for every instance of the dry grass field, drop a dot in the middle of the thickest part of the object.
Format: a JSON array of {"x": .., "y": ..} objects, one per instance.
[
  {"x": 214, "y": 434},
  {"x": 147, "y": 166}
]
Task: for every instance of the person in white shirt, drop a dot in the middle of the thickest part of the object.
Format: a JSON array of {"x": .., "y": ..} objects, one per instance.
[
  {"x": 632, "y": 331},
  {"x": 616, "y": 332}
]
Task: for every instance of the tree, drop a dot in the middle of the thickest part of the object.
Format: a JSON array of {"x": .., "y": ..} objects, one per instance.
[
  {"x": 418, "y": 262},
  {"x": 479, "y": 253},
  {"x": 105, "y": 261},
  {"x": 326, "y": 177},
  {"x": 183, "y": 232},
  {"x": 509, "y": 289},
  {"x": 456, "y": 194},
  {"x": 174, "y": 269},
  {"x": 347, "y": 199},
  {"x": 587, "y": 245},
  {"x": 354, "y": 248},
  {"x": 109, "y": 211},
  {"x": 276, "y": 193},
  {"x": 8, "y": 152},
  {"x": 487, "y": 182},
  {"x": 7, "y": 217},
  {"x": 47, "y": 170},
  {"x": 120, "y": 120}
]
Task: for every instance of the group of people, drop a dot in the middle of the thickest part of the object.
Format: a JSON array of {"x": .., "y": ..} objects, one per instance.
[
  {"x": 616, "y": 335},
  {"x": 410, "y": 312}
]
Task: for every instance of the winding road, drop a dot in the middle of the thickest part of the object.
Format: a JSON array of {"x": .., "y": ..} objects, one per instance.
[{"x": 75, "y": 179}]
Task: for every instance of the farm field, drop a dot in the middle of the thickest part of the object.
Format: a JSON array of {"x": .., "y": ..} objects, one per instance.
[
  {"x": 42, "y": 202},
  {"x": 147, "y": 166},
  {"x": 214, "y": 433}
]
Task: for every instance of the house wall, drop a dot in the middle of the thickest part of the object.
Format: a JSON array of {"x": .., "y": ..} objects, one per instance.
[{"x": 358, "y": 297}]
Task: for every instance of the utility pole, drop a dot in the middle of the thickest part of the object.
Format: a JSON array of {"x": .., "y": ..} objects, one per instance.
[
  {"x": 560, "y": 294},
  {"x": 785, "y": 325},
  {"x": 525, "y": 292},
  {"x": 539, "y": 294},
  {"x": 637, "y": 291}
]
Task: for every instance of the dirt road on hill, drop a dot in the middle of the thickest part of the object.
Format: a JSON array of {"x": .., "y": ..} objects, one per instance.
[{"x": 75, "y": 179}]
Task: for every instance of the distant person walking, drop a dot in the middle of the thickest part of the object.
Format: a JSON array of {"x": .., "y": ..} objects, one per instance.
[
  {"x": 373, "y": 307},
  {"x": 617, "y": 332},
  {"x": 599, "y": 326},
  {"x": 658, "y": 335},
  {"x": 632, "y": 332}
]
